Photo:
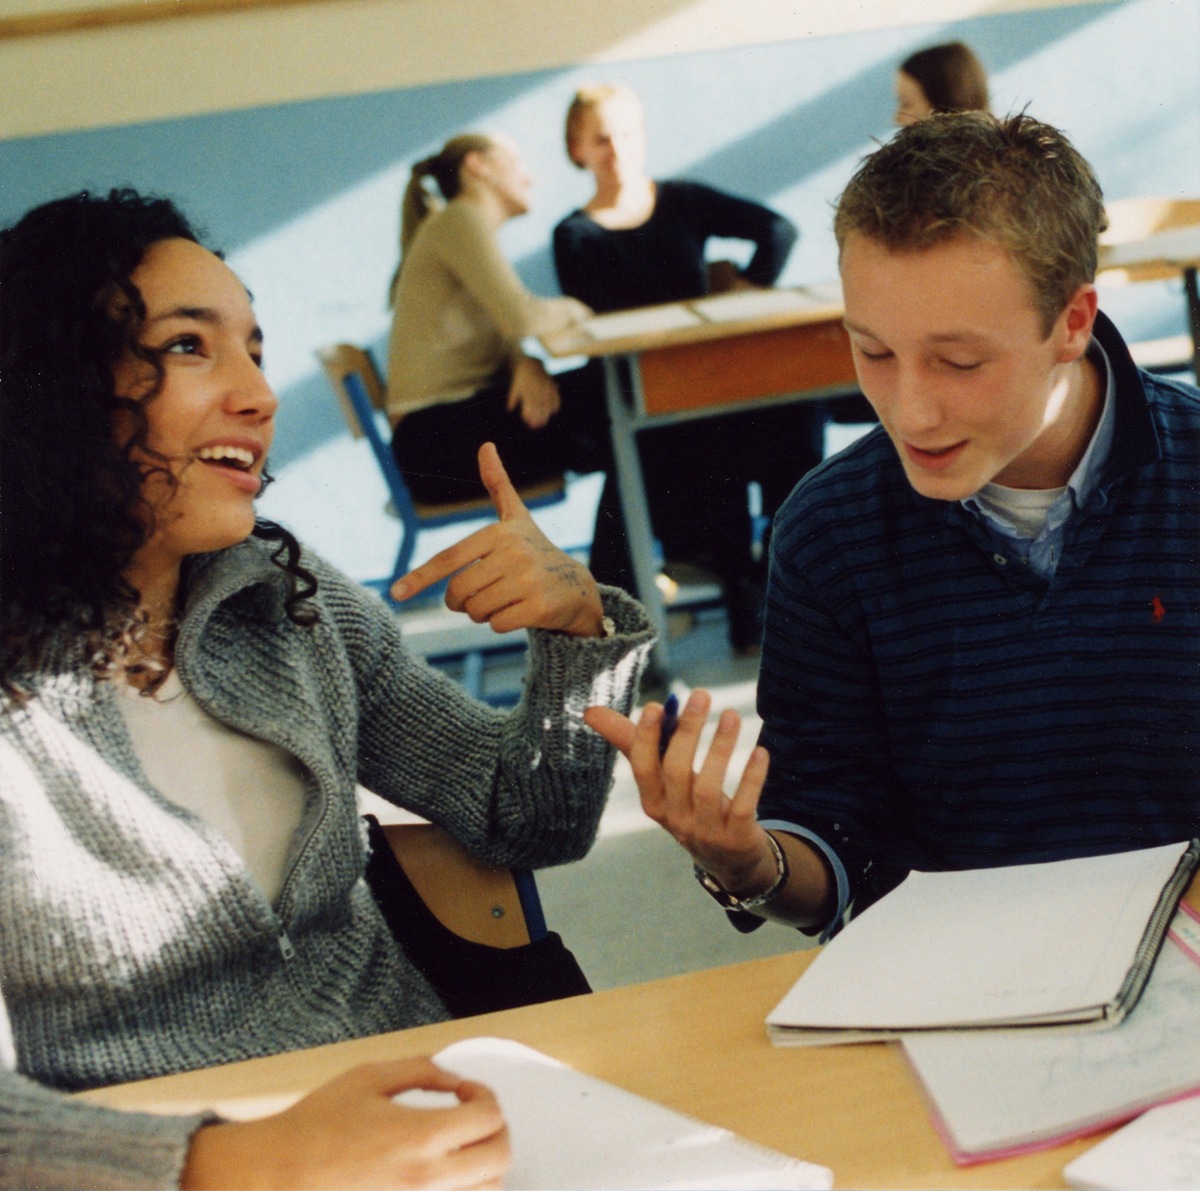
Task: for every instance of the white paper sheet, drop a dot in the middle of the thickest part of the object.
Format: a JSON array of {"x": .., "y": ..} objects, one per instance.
[
  {"x": 570, "y": 1130},
  {"x": 646, "y": 321},
  {"x": 752, "y": 304},
  {"x": 1160, "y": 1151}
]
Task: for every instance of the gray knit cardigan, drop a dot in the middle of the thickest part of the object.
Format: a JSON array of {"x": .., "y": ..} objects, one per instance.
[{"x": 133, "y": 941}]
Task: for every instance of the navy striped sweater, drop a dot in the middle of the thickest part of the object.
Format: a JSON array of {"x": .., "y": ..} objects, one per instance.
[{"x": 930, "y": 703}]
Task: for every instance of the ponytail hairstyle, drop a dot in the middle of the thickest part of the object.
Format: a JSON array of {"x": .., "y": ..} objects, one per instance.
[
  {"x": 445, "y": 168},
  {"x": 72, "y": 514}
]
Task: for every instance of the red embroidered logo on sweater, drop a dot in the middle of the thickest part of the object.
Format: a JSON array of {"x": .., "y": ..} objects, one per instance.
[{"x": 1157, "y": 611}]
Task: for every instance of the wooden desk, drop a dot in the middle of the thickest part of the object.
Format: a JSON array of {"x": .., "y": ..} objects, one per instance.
[
  {"x": 664, "y": 364},
  {"x": 696, "y": 1043},
  {"x": 1167, "y": 253}
]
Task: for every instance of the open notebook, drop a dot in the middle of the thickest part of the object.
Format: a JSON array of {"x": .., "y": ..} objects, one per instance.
[
  {"x": 571, "y": 1130},
  {"x": 1066, "y": 942},
  {"x": 995, "y": 1093}
]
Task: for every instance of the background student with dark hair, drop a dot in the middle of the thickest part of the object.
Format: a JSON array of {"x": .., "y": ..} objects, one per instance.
[{"x": 941, "y": 78}]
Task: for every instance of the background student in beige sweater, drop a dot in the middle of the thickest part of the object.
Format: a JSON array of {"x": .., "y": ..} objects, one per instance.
[{"x": 457, "y": 374}]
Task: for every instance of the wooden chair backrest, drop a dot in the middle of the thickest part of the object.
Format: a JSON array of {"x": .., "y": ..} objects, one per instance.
[{"x": 342, "y": 360}]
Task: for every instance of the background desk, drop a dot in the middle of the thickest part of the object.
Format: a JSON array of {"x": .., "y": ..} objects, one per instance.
[
  {"x": 701, "y": 359},
  {"x": 696, "y": 1043},
  {"x": 1173, "y": 251}
]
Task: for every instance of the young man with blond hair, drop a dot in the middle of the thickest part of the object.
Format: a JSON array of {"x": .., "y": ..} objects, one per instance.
[{"x": 983, "y": 627}]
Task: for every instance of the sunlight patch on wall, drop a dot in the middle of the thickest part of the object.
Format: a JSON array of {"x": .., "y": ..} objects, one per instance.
[{"x": 722, "y": 24}]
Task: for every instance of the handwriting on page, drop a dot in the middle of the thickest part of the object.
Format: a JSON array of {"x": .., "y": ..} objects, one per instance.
[{"x": 1048, "y": 1083}]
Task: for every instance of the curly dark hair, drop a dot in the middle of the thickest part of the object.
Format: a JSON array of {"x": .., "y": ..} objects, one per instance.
[{"x": 72, "y": 515}]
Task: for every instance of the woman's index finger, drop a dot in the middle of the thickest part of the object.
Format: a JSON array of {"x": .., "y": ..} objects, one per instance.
[{"x": 442, "y": 565}]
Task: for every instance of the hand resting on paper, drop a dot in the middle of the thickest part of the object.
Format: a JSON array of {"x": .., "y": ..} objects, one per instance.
[
  {"x": 350, "y": 1133},
  {"x": 720, "y": 832},
  {"x": 509, "y": 574}
]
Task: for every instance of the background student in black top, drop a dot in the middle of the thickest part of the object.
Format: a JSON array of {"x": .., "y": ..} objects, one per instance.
[{"x": 639, "y": 242}]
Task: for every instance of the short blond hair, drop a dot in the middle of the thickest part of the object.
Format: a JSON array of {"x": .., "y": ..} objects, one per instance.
[
  {"x": 588, "y": 98},
  {"x": 1013, "y": 182}
]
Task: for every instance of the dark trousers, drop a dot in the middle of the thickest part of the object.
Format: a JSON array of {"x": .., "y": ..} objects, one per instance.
[
  {"x": 436, "y": 449},
  {"x": 696, "y": 473},
  {"x": 702, "y": 469}
]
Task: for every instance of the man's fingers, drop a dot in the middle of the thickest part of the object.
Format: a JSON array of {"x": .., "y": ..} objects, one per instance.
[
  {"x": 646, "y": 764},
  {"x": 495, "y": 480},
  {"x": 712, "y": 771},
  {"x": 616, "y": 728},
  {"x": 754, "y": 777},
  {"x": 681, "y": 754}
]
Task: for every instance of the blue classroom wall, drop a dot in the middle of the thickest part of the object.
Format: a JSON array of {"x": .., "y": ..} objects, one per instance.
[{"x": 304, "y": 197}]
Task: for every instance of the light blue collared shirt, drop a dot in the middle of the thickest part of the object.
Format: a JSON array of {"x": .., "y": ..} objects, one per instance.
[{"x": 1041, "y": 553}]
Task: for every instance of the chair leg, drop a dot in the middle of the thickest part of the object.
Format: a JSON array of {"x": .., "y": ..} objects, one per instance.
[
  {"x": 531, "y": 904},
  {"x": 472, "y": 675}
]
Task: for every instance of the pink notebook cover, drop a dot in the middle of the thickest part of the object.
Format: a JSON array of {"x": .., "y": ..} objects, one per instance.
[{"x": 1120, "y": 1118}]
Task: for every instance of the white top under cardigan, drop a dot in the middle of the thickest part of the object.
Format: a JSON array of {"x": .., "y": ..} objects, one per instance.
[{"x": 250, "y": 791}]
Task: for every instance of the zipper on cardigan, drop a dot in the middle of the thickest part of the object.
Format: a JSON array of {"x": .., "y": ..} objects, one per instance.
[{"x": 285, "y": 946}]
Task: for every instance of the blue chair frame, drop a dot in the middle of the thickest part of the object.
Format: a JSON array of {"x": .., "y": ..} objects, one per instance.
[
  {"x": 356, "y": 381},
  {"x": 360, "y": 392}
]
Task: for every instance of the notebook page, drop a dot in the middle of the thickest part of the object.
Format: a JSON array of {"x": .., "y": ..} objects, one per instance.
[
  {"x": 996, "y": 1090},
  {"x": 985, "y": 945},
  {"x": 748, "y": 304},
  {"x": 571, "y": 1130},
  {"x": 1160, "y": 1151}
]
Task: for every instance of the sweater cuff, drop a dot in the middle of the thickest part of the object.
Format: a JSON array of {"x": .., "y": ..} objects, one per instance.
[
  {"x": 49, "y": 1139},
  {"x": 575, "y": 673},
  {"x": 612, "y": 666}
]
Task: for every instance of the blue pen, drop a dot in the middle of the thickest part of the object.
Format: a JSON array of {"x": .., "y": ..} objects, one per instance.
[{"x": 670, "y": 721}]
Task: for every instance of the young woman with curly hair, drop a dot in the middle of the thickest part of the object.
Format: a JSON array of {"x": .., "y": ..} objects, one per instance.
[{"x": 188, "y": 702}]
